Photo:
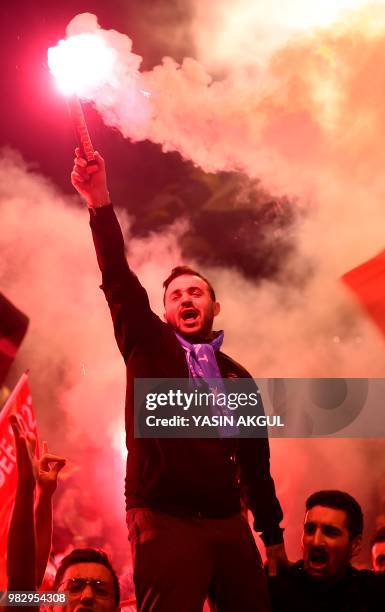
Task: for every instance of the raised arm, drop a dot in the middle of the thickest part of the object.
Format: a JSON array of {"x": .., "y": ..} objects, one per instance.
[
  {"x": 132, "y": 316},
  {"x": 48, "y": 468},
  {"x": 30, "y": 532},
  {"x": 21, "y": 535}
]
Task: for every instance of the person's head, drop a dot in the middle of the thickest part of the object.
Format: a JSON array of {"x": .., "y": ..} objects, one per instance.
[
  {"x": 189, "y": 302},
  {"x": 377, "y": 546},
  {"x": 332, "y": 533},
  {"x": 90, "y": 579}
]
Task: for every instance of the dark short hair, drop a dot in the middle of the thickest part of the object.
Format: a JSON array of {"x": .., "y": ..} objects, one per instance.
[
  {"x": 180, "y": 271},
  {"x": 340, "y": 500},
  {"x": 87, "y": 555},
  {"x": 379, "y": 536}
]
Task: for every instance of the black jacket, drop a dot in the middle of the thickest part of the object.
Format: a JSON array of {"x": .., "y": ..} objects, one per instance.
[
  {"x": 192, "y": 477},
  {"x": 358, "y": 591}
]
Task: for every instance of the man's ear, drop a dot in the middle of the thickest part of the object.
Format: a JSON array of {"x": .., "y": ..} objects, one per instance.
[
  {"x": 217, "y": 309},
  {"x": 355, "y": 545}
]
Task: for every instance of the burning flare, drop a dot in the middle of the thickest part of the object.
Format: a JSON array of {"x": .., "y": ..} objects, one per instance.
[{"x": 81, "y": 63}]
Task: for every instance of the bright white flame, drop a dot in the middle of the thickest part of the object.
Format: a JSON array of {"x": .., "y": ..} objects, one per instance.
[{"x": 81, "y": 63}]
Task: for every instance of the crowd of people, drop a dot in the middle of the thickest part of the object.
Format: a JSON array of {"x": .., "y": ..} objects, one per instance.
[
  {"x": 323, "y": 580},
  {"x": 187, "y": 499}
]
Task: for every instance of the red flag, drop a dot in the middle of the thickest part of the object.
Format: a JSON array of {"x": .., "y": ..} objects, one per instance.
[
  {"x": 367, "y": 281},
  {"x": 13, "y": 327},
  {"x": 19, "y": 402}
]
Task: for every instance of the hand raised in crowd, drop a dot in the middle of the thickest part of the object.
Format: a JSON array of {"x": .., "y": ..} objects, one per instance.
[
  {"x": 47, "y": 470},
  {"x": 32, "y": 469},
  {"x": 30, "y": 532},
  {"x": 92, "y": 186},
  {"x": 25, "y": 449}
]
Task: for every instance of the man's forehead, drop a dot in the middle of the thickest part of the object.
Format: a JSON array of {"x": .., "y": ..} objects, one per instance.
[
  {"x": 88, "y": 570},
  {"x": 186, "y": 281},
  {"x": 324, "y": 515}
]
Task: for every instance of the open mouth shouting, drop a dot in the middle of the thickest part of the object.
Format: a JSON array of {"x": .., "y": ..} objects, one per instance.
[
  {"x": 190, "y": 316},
  {"x": 318, "y": 559}
]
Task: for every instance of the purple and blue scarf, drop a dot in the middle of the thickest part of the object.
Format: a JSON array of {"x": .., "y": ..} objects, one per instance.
[{"x": 202, "y": 365}]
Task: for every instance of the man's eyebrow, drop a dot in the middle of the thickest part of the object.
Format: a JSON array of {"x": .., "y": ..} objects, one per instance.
[
  {"x": 191, "y": 288},
  {"x": 333, "y": 528},
  {"x": 323, "y": 525}
]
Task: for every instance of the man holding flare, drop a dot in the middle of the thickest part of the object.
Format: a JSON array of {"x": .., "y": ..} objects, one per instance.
[{"x": 188, "y": 536}]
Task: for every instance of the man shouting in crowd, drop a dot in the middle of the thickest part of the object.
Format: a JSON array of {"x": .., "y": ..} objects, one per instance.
[
  {"x": 325, "y": 580},
  {"x": 189, "y": 539}
]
